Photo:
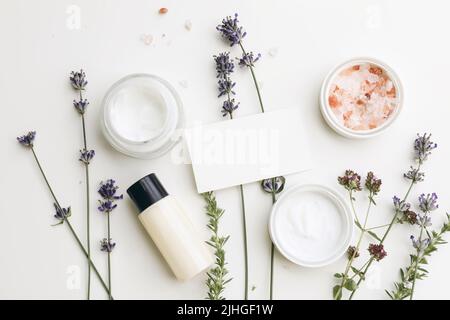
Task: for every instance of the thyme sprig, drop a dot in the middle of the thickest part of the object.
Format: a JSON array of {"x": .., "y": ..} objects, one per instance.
[{"x": 217, "y": 276}]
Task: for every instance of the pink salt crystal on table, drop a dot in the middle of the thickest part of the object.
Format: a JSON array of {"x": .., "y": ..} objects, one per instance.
[{"x": 362, "y": 97}]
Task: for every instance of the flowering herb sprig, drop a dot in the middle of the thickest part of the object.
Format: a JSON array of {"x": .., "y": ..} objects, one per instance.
[
  {"x": 351, "y": 181},
  {"x": 61, "y": 214},
  {"x": 78, "y": 81},
  {"x": 234, "y": 33},
  {"x": 108, "y": 192},
  {"x": 216, "y": 280},
  {"x": 422, "y": 147},
  {"x": 424, "y": 245},
  {"x": 217, "y": 276}
]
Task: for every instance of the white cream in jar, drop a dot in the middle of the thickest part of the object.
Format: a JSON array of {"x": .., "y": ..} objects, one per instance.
[{"x": 311, "y": 225}]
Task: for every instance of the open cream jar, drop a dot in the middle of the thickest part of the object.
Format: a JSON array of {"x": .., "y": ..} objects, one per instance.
[
  {"x": 311, "y": 225},
  {"x": 142, "y": 115},
  {"x": 360, "y": 98}
]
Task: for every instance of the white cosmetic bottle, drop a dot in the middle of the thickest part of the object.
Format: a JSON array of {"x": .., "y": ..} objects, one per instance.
[{"x": 170, "y": 228}]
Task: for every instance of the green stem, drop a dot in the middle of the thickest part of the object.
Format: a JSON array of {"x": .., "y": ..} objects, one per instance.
[
  {"x": 88, "y": 209},
  {"x": 272, "y": 249},
  {"x": 350, "y": 262},
  {"x": 416, "y": 266},
  {"x": 244, "y": 225},
  {"x": 350, "y": 194},
  {"x": 244, "y": 230},
  {"x": 109, "y": 258},
  {"x": 68, "y": 223},
  {"x": 258, "y": 91},
  {"x": 394, "y": 219},
  {"x": 378, "y": 227}
]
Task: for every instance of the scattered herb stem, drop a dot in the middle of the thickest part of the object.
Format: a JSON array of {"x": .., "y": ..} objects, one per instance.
[
  {"x": 77, "y": 239},
  {"x": 258, "y": 91}
]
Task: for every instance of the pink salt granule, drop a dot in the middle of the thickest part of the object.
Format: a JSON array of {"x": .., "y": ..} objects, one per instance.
[{"x": 362, "y": 97}]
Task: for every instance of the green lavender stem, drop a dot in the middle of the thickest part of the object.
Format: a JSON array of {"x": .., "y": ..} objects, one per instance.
[
  {"x": 386, "y": 233},
  {"x": 244, "y": 232},
  {"x": 272, "y": 248},
  {"x": 69, "y": 224},
  {"x": 258, "y": 91},
  {"x": 88, "y": 209},
  {"x": 109, "y": 257}
]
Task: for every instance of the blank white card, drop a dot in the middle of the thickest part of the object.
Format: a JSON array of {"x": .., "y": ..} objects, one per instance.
[{"x": 247, "y": 149}]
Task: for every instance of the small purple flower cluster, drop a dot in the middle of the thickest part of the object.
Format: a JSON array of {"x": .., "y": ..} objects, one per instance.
[
  {"x": 350, "y": 181},
  {"x": 231, "y": 31},
  {"x": 107, "y": 245},
  {"x": 273, "y": 185},
  {"x": 224, "y": 68},
  {"x": 86, "y": 156},
  {"x": 423, "y": 147},
  {"x": 373, "y": 184},
  {"x": 108, "y": 191},
  {"x": 377, "y": 251},
  {"x": 27, "y": 140}
]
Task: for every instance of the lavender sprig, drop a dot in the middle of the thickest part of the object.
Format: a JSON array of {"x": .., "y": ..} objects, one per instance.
[
  {"x": 61, "y": 214},
  {"x": 423, "y": 147},
  {"x": 108, "y": 192},
  {"x": 78, "y": 81}
]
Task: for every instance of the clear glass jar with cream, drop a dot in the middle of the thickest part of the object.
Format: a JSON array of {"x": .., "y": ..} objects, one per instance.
[{"x": 142, "y": 116}]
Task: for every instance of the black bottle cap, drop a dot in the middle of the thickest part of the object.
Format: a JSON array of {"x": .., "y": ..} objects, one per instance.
[{"x": 146, "y": 192}]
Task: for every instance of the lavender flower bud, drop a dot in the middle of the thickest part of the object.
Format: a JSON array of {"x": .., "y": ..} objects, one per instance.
[
  {"x": 86, "y": 156},
  {"x": 107, "y": 245},
  {"x": 273, "y": 185},
  {"x": 228, "y": 107},
  {"x": 414, "y": 175},
  {"x": 400, "y": 205},
  {"x": 423, "y": 147},
  {"x": 226, "y": 87},
  {"x": 248, "y": 59},
  {"x": 372, "y": 183},
  {"x": 78, "y": 80},
  {"x": 224, "y": 65},
  {"x": 106, "y": 206},
  {"x": 350, "y": 180},
  {"x": 420, "y": 245},
  {"x": 231, "y": 31},
  {"x": 80, "y": 105},
  {"x": 377, "y": 251},
  {"x": 428, "y": 203},
  {"x": 108, "y": 190},
  {"x": 27, "y": 140},
  {"x": 425, "y": 220},
  {"x": 61, "y": 213}
]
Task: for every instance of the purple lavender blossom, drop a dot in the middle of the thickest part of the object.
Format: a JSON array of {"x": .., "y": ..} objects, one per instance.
[
  {"x": 425, "y": 220},
  {"x": 107, "y": 245},
  {"x": 420, "y": 245},
  {"x": 249, "y": 59},
  {"x": 423, "y": 147},
  {"x": 86, "y": 156},
  {"x": 226, "y": 87},
  {"x": 224, "y": 65},
  {"x": 80, "y": 105},
  {"x": 108, "y": 191},
  {"x": 414, "y": 175},
  {"x": 78, "y": 80},
  {"x": 228, "y": 107},
  {"x": 27, "y": 140},
  {"x": 428, "y": 203},
  {"x": 400, "y": 205},
  {"x": 61, "y": 213},
  {"x": 273, "y": 185},
  {"x": 231, "y": 31}
]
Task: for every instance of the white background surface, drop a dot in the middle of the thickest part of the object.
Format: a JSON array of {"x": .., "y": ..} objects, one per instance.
[{"x": 39, "y": 50}]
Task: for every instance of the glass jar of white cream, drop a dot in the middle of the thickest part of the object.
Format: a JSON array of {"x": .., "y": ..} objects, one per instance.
[{"x": 142, "y": 116}]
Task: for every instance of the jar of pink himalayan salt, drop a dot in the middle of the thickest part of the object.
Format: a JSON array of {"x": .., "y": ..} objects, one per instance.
[{"x": 361, "y": 98}]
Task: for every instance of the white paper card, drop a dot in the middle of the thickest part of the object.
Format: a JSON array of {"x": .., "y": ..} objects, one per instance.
[{"x": 243, "y": 150}]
